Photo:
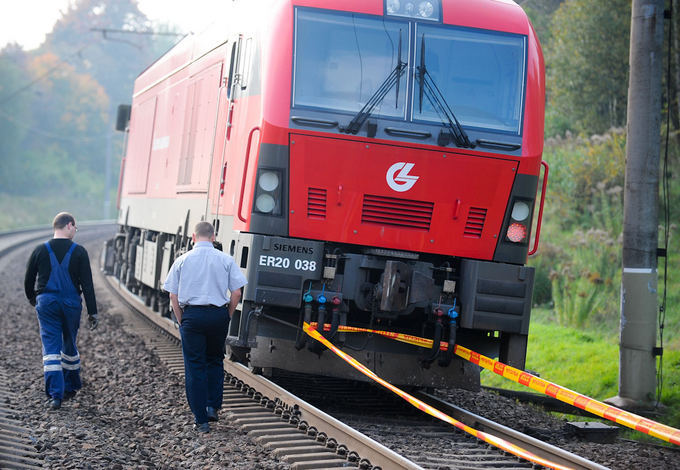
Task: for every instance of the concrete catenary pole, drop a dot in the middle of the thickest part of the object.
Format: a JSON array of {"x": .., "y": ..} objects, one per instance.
[{"x": 639, "y": 303}]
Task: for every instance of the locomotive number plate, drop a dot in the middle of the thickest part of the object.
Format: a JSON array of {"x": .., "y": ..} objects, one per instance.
[
  {"x": 281, "y": 254},
  {"x": 287, "y": 263}
]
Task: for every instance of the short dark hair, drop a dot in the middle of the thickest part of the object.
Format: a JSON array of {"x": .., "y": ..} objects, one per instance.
[
  {"x": 62, "y": 219},
  {"x": 204, "y": 230}
]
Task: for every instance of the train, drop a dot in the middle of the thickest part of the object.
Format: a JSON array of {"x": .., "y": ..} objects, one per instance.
[{"x": 367, "y": 163}]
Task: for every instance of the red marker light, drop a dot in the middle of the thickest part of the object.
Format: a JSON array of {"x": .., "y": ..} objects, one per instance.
[
  {"x": 516, "y": 232},
  {"x": 336, "y": 300}
]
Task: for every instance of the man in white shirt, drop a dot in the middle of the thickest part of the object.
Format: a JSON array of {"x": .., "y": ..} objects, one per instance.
[{"x": 198, "y": 282}]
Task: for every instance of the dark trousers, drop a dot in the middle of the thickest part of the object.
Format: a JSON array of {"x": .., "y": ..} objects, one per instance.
[
  {"x": 204, "y": 330},
  {"x": 59, "y": 321}
]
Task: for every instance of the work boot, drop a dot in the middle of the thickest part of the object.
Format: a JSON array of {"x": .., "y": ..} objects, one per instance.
[
  {"x": 212, "y": 413},
  {"x": 203, "y": 428},
  {"x": 54, "y": 404}
]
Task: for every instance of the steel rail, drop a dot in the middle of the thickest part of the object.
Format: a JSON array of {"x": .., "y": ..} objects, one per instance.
[
  {"x": 367, "y": 448},
  {"x": 12, "y": 239},
  {"x": 533, "y": 445}
]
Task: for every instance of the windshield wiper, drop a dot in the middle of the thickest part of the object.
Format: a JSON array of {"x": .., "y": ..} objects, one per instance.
[
  {"x": 429, "y": 88},
  {"x": 392, "y": 79}
]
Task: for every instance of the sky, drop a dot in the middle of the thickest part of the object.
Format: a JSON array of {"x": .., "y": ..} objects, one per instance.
[{"x": 28, "y": 21}]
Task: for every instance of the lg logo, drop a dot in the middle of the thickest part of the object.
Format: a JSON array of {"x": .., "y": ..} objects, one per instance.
[{"x": 402, "y": 181}]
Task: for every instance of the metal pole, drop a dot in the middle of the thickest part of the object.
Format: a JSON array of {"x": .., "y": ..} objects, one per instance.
[
  {"x": 107, "y": 173},
  {"x": 639, "y": 306}
]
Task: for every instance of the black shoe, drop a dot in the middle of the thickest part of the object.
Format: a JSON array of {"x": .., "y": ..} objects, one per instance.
[
  {"x": 203, "y": 428},
  {"x": 54, "y": 404},
  {"x": 70, "y": 394},
  {"x": 212, "y": 413}
]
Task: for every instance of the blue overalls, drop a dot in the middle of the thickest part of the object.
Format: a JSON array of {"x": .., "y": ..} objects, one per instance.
[{"x": 58, "y": 307}]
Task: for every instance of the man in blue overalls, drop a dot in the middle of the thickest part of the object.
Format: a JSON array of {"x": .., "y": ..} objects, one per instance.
[{"x": 63, "y": 271}]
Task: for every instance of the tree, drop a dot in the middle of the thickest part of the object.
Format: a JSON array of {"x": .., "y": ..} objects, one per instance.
[
  {"x": 540, "y": 13},
  {"x": 14, "y": 109},
  {"x": 57, "y": 107},
  {"x": 114, "y": 59},
  {"x": 587, "y": 73}
]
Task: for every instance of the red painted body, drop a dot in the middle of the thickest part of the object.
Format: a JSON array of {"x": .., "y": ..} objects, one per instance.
[{"x": 158, "y": 134}]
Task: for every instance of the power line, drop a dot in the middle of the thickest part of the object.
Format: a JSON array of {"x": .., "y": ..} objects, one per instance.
[
  {"x": 147, "y": 32},
  {"x": 133, "y": 31},
  {"x": 40, "y": 77}
]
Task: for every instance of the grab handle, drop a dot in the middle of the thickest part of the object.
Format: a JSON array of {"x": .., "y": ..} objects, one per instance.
[
  {"x": 245, "y": 173},
  {"x": 540, "y": 208}
]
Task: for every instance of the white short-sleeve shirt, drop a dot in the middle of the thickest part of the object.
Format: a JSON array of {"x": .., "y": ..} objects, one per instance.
[{"x": 204, "y": 276}]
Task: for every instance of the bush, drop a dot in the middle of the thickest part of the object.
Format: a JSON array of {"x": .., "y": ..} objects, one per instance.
[{"x": 579, "y": 263}]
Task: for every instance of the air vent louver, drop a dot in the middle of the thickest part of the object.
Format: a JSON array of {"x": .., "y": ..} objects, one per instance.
[
  {"x": 475, "y": 223},
  {"x": 316, "y": 203},
  {"x": 396, "y": 212}
]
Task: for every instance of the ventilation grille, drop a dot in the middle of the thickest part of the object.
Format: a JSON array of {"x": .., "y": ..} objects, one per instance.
[
  {"x": 316, "y": 203},
  {"x": 475, "y": 223},
  {"x": 396, "y": 212}
]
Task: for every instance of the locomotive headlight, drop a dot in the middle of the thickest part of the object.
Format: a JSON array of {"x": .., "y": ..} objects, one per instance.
[
  {"x": 418, "y": 9},
  {"x": 265, "y": 203},
  {"x": 268, "y": 181},
  {"x": 425, "y": 9},
  {"x": 268, "y": 192},
  {"x": 520, "y": 211}
]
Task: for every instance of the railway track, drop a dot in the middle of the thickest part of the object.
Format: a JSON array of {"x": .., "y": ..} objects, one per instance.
[
  {"x": 16, "y": 447},
  {"x": 292, "y": 425},
  {"x": 17, "y": 450},
  {"x": 307, "y": 437}
]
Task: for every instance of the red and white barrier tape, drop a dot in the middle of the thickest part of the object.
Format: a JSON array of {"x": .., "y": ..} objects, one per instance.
[
  {"x": 612, "y": 413},
  {"x": 489, "y": 438}
]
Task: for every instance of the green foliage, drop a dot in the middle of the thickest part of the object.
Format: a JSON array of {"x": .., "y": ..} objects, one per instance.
[
  {"x": 540, "y": 13},
  {"x": 585, "y": 284},
  {"x": 586, "y": 177},
  {"x": 580, "y": 255},
  {"x": 587, "y": 65}
]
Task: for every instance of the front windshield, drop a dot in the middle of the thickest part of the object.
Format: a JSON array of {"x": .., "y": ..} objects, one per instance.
[
  {"x": 481, "y": 75},
  {"x": 341, "y": 60}
]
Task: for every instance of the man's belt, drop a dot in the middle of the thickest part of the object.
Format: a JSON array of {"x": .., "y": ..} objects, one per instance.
[{"x": 206, "y": 306}]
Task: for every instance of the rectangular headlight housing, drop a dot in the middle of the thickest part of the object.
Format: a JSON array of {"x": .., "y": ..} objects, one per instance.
[{"x": 429, "y": 10}]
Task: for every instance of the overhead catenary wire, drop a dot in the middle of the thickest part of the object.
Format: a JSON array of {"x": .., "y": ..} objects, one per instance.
[
  {"x": 65, "y": 60},
  {"x": 40, "y": 77}
]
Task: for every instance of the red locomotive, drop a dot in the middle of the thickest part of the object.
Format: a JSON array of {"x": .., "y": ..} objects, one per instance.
[{"x": 369, "y": 163}]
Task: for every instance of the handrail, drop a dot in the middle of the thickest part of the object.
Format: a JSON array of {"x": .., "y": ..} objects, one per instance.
[
  {"x": 540, "y": 208},
  {"x": 393, "y": 131},
  {"x": 245, "y": 173}
]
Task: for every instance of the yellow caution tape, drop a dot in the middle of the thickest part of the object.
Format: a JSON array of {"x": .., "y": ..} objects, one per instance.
[
  {"x": 486, "y": 437},
  {"x": 612, "y": 413}
]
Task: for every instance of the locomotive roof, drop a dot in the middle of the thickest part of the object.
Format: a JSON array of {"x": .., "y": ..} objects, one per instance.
[{"x": 499, "y": 15}]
